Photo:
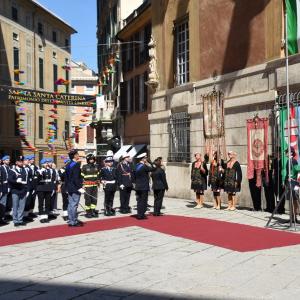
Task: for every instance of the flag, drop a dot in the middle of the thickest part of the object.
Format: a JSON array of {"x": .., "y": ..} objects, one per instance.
[
  {"x": 293, "y": 24},
  {"x": 294, "y": 139}
]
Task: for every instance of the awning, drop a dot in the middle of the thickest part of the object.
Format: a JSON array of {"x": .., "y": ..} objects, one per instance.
[
  {"x": 137, "y": 149},
  {"x": 124, "y": 149}
]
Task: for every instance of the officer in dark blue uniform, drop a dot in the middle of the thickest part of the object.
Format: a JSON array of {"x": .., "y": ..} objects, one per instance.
[
  {"x": 33, "y": 192},
  {"x": 74, "y": 184},
  {"x": 125, "y": 179},
  {"x": 44, "y": 191},
  {"x": 29, "y": 172},
  {"x": 108, "y": 177},
  {"x": 63, "y": 190},
  {"x": 18, "y": 179},
  {"x": 142, "y": 170},
  {"x": 4, "y": 170}
]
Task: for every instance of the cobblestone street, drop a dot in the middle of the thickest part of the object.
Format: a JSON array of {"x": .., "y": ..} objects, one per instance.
[{"x": 136, "y": 263}]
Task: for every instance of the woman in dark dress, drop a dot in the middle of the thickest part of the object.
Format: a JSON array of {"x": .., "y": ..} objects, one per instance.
[
  {"x": 159, "y": 186},
  {"x": 233, "y": 179},
  {"x": 216, "y": 179},
  {"x": 199, "y": 179}
]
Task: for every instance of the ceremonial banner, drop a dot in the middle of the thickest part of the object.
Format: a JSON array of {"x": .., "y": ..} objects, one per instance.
[
  {"x": 257, "y": 132},
  {"x": 213, "y": 123},
  {"x": 293, "y": 21},
  {"x": 24, "y": 95}
]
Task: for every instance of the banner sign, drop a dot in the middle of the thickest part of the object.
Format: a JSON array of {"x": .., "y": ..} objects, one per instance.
[
  {"x": 33, "y": 96},
  {"x": 257, "y": 132}
]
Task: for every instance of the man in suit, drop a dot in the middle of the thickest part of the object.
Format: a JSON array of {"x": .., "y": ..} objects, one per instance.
[
  {"x": 4, "y": 170},
  {"x": 74, "y": 188},
  {"x": 108, "y": 177},
  {"x": 125, "y": 183},
  {"x": 142, "y": 170}
]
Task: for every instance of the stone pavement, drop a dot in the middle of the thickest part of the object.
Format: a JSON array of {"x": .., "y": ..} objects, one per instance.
[{"x": 135, "y": 263}]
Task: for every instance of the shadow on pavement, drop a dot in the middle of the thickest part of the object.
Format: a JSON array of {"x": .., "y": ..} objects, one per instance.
[{"x": 28, "y": 289}]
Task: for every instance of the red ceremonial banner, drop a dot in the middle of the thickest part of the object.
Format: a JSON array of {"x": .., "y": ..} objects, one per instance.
[{"x": 257, "y": 132}]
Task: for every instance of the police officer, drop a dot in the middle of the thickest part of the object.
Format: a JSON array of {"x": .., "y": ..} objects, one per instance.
[
  {"x": 29, "y": 172},
  {"x": 90, "y": 173},
  {"x": 125, "y": 183},
  {"x": 44, "y": 191},
  {"x": 64, "y": 194},
  {"x": 54, "y": 181},
  {"x": 142, "y": 170},
  {"x": 108, "y": 177},
  {"x": 74, "y": 183},
  {"x": 4, "y": 170},
  {"x": 32, "y": 194},
  {"x": 18, "y": 179}
]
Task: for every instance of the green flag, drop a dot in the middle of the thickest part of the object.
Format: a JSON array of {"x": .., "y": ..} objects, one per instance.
[
  {"x": 293, "y": 13},
  {"x": 283, "y": 141}
]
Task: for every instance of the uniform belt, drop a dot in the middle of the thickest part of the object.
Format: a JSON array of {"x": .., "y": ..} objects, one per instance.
[
  {"x": 110, "y": 181},
  {"x": 90, "y": 182},
  {"x": 5, "y": 181}
]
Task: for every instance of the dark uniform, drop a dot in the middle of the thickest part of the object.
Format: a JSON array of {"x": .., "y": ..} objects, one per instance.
[
  {"x": 108, "y": 177},
  {"x": 159, "y": 186},
  {"x": 18, "y": 179},
  {"x": 142, "y": 171},
  {"x": 4, "y": 189},
  {"x": 125, "y": 182},
  {"x": 33, "y": 191},
  {"x": 90, "y": 173},
  {"x": 30, "y": 174},
  {"x": 64, "y": 193},
  {"x": 44, "y": 191},
  {"x": 74, "y": 183}
]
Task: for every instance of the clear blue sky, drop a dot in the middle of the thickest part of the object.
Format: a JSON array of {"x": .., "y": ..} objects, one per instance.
[{"x": 82, "y": 16}]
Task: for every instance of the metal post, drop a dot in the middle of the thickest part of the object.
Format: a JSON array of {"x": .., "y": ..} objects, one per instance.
[{"x": 288, "y": 115}]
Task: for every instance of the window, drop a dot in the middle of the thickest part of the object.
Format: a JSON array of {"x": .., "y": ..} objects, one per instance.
[
  {"x": 67, "y": 78},
  {"x": 89, "y": 87},
  {"x": 141, "y": 93},
  {"x": 89, "y": 134},
  {"x": 16, "y": 63},
  {"x": 54, "y": 36},
  {"x": 136, "y": 47},
  {"x": 41, "y": 127},
  {"x": 128, "y": 89},
  {"x": 28, "y": 22},
  {"x": 40, "y": 28},
  {"x": 14, "y": 13},
  {"x": 182, "y": 52},
  {"x": 41, "y": 48},
  {"x": 54, "y": 55},
  {"x": 15, "y": 36},
  {"x": 136, "y": 93},
  {"x": 179, "y": 137},
  {"x": 67, "y": 129},
  {"x": 54, "y": 78},
  {"x": 67, "y": 44},
  {"x": 145, "y": 103},
  {"x": 17, "y": 132},
  {"x": 41, "y": 73},
  {"x": 28, "y": 68}
]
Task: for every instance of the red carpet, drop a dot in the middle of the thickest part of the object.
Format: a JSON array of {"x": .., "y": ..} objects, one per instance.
[{"x": 232, "y": 236}]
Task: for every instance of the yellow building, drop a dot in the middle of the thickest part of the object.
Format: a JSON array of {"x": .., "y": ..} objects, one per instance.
[{"x": 36, "y": 42}]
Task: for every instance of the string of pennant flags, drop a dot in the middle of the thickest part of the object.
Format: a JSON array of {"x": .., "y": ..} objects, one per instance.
[{"x": 52, "y": 124}]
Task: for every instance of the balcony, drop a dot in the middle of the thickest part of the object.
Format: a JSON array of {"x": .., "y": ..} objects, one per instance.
[{"x": 105, "y": 110}]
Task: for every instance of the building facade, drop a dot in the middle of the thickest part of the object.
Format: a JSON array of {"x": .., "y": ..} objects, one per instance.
[
  {"x": 84, "y": 81},
  {"x": 230, "y": 46},
  {"x": 110, "y": 17},
  {"x": 135, "y": 102},
  {"x": 36, "y": 42}
]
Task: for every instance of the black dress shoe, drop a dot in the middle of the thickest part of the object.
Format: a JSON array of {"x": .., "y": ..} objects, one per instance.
[
  {"x": 8, "y": 218},
  {"x": 141, "y": 217},
  {"x": 16, "y": 224},
  {"x": 27, "y": 219},
  {"x": 65, "y": 218},
  {"x": 22, "y": 224},
  {"x": 32, "y": 215},
  {"x": 3, "y": 223},
  {"x": 52, "y": 217},
  {"x": 44, "y": 221},
  {"x": 76, "y": 225},
  {"x": 79, "y": 222}
]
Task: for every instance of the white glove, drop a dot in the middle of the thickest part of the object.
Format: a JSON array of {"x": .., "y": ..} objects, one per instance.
[
  {"x": 122, "y": 186},
  {"x": 81, "y": 191},
  {"x": 33, "y": 191},
  {"x": 8, "y": 190},
  {"x": 0, "y": 195},
  {"x": 19, "y": 180},
  {"x": 27, "y": 194}
]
